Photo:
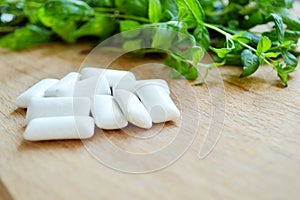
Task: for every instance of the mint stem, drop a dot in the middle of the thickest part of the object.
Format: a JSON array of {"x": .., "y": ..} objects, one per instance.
[{"x": 229, "y": 36}]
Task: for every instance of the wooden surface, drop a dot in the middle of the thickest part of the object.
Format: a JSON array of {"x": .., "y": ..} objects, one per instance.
[{"x": 257, "y": 156}]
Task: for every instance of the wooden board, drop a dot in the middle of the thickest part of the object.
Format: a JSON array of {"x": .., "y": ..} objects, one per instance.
[{"x": 256, "y": 157}]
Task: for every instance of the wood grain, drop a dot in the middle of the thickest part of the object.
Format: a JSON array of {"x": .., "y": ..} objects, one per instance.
[
  {"x": 257, "y": 156},
  {"x": 4, "y": 192}
]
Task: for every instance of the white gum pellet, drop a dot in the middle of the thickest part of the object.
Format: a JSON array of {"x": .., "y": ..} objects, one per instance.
[
  {"x": 107, "y": 114},
  {"x": 65, "y": 87},
  {"x": 158, "y": 103},
  {"x": 113, "y": 76},
  {"x": 57, "y": 106},
  {"x": 133, "y": 109},
  {"x": 37, "y": 90},
  {"x": 56, "y": 128},
  {"x": 132, "y": 86},
  {"x": 157, "y": 82},
  {"x": 92, "y": 86}
]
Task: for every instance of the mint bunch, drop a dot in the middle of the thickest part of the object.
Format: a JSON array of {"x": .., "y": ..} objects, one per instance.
[{"x": 223, "y": 28}]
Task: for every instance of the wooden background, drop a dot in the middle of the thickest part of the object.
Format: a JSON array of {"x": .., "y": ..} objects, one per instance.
[{"x": 256, "y": 157}]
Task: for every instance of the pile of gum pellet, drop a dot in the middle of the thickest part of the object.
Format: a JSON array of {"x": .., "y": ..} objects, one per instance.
[{"x": 69, "y": 108}]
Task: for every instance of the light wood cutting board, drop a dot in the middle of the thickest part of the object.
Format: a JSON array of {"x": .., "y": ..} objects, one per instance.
[{"x": 257, "y": 155}]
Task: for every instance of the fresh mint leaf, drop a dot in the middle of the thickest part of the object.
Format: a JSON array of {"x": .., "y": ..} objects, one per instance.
[
  {"x": 191, "y": 73},
  {"x": 155, "y": 10},
  {"x": 31, "y": 11},
  {"x": 101, "y": 3},
  {"x": 272, "y": 54},
  {"x": 283, "y": 77},
  {"x": 279, "y": 26},
  {"x": 282, "y": 74},
  {"x": 192, "y": 8},
  {"x": 25, "y": 37},
  {"x": 202, "y": 37},
  {"x": 263, "y": 45},
  {"x": 289, "y": 66},
  {"x": 65, "y": 30},
  {"x": 163, "y": 38},
  {"x": 250, "y": 63},
  {"x": 63, "y": 16},
  {"x": 238, "y": 41},
  {"x": 292, "y": 35},
  {"x": 221, "y": 52},
  {"x": 230, "y": 59},
  {"x": 133, "y": 7},
  {"x": 100, "y": 26},
  {"x": 132, "y": 45},
  {"x": 288, "y": 36},
  {"x": 64, "y": 10},
  {"x": 291, "y": 21},
  {"x": 181, "y": 67},
  {"x": 290, "y": 60},
  {"x": 198, "y": 54},
  {"x": 169, "y": 10},
  {"x": 186, "y": 17},
  {"x": 288, "y": 45},
  {"x": 127, "y": 25}
]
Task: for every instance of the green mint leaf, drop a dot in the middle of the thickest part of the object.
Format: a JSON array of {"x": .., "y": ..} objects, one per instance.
[
  {"x": 272, "y": 54},
  {"x": 284, "y": 3},
  {"x": 100, "y": 3},
  {"x": 169, "y": 10},
  {"x": 289, "y": 65},
  {"x": 100, "y": 26},
  {"x": 186, "y": 17},
  {"x": 127, "y": 25},
  {"x": 238, "y": 35},
  {"x": 64, "y": 10},
  {"x": 191, "y": 73},
  {"x": 279, "y": 26},
  {"x": 25, "y": 37},
  {"x": 244, "y": 40},
  {"x": 65, "y": 30},
  {"x": 292, "y": 35},
  {"x": 176, "y": 65},
  {"x": 31, "y": 12},
  {"x": 283, "y": 77},
  {"x": 221, "y": 52},
  {"x": 292, "y": 22},
  {"x": 250, "y": 62},
  {"x": 282, "y": 74},
  {"x": 288, "y": 45},
  {"x": 155, "y": 10},
  {"x": 254, "y": 19},
  {"x": 62, "y": 16},
  {"x": 133, "y": 7},
  {"x": 231, "y": 59},
  {"x": 163, "y": 37},
  {"x": 202, "y": 37},
  {"x": 263, "y": 45},
  {"x": 132, "y": 45},
  {"x": 181, "y": 67},
  {"x": 193, "y": 8},
  {"x": 198, "y": 54},
  {"x": 290, "y": 60}
]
